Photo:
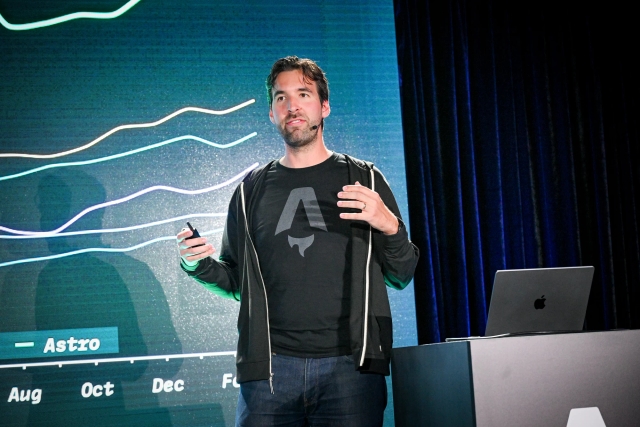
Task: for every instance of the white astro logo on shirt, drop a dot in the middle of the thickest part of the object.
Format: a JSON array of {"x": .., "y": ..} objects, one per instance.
[
  {"x": 585, "y": 417},
  {"x": 312, "y": 210}
]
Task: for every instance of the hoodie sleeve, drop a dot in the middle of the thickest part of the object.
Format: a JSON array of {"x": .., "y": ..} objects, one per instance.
[
  {"x": 398, "y": 256},
  {"x": 221, "y": 277}
]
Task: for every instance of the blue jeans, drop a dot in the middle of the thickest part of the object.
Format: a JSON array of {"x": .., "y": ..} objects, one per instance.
[{"x": 313, "y": 392}]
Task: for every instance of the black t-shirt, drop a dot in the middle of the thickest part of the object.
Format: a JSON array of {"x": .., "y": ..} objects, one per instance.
[{"x": 302, "y": 244}]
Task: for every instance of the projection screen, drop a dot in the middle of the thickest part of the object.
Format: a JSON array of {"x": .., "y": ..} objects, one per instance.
[{"x": 119, "y": 122}]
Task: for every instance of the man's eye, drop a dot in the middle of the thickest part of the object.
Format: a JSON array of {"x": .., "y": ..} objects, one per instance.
[{"x": 280, "y": 98}]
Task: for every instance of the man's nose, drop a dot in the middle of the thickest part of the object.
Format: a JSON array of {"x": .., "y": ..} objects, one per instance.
[{"x": 292, "y": 106}]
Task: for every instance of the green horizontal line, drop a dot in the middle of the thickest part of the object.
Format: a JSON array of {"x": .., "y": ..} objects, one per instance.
[
  {"x": 69, "y": 17},
  {"x": 25, "y": 344}
]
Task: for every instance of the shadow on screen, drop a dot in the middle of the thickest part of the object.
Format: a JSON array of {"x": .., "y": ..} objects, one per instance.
[{"x": 88, "y": 291}]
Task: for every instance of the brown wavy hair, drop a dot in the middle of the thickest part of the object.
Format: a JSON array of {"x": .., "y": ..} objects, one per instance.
[{"x": 311, "y": 71}]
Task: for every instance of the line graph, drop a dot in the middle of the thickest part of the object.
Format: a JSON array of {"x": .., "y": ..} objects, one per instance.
[
  {"x": 114, "y": 230},
  {"x": 129, "y": 126},
  {"x": 96, "y": 362},
  {"x": 65, "y": 18},
  {"x": 131, "y": 197},
  {"x": 105, "y": 250},
  {"x": 128, "y": 153},
  {"x": 180, "y": 80}
]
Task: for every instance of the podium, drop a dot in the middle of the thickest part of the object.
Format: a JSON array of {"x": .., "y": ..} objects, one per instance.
[{"x": 524, "y": 381}]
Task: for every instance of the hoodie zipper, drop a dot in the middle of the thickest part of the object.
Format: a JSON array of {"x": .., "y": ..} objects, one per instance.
[
  {"x": 266, "y": 303},
  {"x": 366, "y": 284}
]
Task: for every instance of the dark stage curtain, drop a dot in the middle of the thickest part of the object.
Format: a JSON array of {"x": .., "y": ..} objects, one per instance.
[{"x": 522, "y": 152}]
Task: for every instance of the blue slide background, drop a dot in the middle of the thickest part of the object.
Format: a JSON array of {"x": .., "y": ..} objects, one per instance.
[{"x": 65, "y": 85}]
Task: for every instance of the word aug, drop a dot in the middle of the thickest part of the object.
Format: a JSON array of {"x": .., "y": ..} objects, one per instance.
[
  {"x": 71, "y": 345},
  {"x": 33, "y": 396}
]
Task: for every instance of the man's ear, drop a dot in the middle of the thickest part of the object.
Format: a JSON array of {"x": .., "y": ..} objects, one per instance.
[
  {"x": 271, "y": 116},
  {"x": 326, "y": 109}
]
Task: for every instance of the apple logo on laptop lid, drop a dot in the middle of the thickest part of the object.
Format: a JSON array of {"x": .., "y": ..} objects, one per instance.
[{"x": 539, "y": 303}]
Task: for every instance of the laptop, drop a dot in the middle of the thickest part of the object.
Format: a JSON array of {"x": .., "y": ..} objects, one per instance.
[{"x": 539, "y": 300}]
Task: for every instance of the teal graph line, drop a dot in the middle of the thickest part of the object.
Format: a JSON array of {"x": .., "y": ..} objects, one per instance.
[
  {"x": 47, "y": 235},
  {"x": 128, "y": 153},
  {"x": 110, "y": 250},
  {"x": 76, "y": 15},
  {"x": 130, "y": 126},
  {"x": 128, "y": 198}
]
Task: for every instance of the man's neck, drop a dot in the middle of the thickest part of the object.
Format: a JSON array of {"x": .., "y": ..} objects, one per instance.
[{"x": 305, "y": 157}]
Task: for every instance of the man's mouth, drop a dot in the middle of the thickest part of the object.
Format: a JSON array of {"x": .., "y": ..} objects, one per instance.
[{"x": 295, "y": 122}]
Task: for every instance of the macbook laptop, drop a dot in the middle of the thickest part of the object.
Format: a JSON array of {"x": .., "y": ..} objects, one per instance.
[{"x": 539, "y": 300}]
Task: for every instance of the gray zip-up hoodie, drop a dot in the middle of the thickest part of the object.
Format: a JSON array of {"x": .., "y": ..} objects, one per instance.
[{"x": 376, "y": 260}]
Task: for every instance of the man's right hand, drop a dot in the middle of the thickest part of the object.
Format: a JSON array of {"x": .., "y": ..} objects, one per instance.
[{"x": 193, "y": 250}]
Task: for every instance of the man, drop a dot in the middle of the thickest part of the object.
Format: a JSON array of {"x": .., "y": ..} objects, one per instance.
[{"x": 314, "y": 325}]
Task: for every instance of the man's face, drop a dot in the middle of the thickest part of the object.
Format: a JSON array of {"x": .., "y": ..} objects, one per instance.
[{"x": 296, "y": 108}]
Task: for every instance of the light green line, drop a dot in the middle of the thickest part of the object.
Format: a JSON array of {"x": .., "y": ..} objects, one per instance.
[
  {"x": 129, "y": 126},
  {"x": 46, "y": 235},
  {"x": 76, "y": 15},
  {"x": 25, "y": 344},
  {"x": 128, "y": 153},
  {"x": 108, "y": 250}
]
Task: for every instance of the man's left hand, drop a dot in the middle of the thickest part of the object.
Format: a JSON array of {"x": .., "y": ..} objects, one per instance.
[{"x": 373, "y": 209}]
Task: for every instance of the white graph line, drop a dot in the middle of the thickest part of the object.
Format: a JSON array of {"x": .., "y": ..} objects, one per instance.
[
  {"x": 76, "y": 15},
  {"x": 128, "y": 198},
  {"x": 114, "y": 230},
  {"x": 107, "y": 250},
  {"x": 127, "y": 153},
  {"x": 130, "y": 126},
  {"x": 96, "y": 362}
]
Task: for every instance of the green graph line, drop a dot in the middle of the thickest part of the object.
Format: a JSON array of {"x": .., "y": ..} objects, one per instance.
[
  {"x": 129, "y": 126},
  {"x": 104, "y": 250},
  {"x": 76, "y": 15},
  {"x": 45, "y": 235},
  {"x": 128, "y": 153}
]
